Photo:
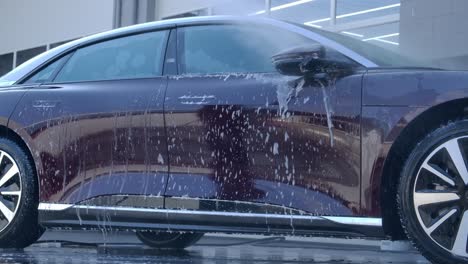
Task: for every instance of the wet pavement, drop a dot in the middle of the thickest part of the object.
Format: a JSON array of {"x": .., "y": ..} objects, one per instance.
[{"x": 113, "y": 247}]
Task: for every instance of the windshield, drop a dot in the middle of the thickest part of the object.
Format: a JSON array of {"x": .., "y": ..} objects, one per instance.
[{"x": 380, "y": 56}]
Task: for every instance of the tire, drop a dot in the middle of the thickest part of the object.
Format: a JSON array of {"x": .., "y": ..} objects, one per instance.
[
  {"x": 433, "y": 194},
  {"x": 169, "y": 240},
  {"x": 19, "y": 226}
]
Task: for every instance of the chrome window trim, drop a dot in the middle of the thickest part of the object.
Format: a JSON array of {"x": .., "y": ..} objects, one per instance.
[
  {"x": 365, "y": 221},
  {"x": 53, "y": 206}
]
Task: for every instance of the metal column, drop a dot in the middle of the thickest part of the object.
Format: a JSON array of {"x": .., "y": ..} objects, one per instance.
[
  {"x": 333, "y": 12},
  {"x": 267, "y": 7}
]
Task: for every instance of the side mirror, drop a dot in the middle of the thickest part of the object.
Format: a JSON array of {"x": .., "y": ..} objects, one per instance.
[{"x": 312, "y": 60}]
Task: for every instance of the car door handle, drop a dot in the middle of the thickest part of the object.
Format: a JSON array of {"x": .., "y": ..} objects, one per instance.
[
  {"x": 196, "y": 99},
  {"x": 45, "y": 104},
  {"x": 50, "y": 87}
]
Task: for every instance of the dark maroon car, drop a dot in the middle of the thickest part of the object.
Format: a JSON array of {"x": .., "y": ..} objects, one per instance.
[{"x": 234, "y": 125}]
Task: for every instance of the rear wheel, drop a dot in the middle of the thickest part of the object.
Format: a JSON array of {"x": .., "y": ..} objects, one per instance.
[
  {"x": 433, "y": 195},
  {"x": 18, "y": 197},
  {"x": 169, "y": 240}
]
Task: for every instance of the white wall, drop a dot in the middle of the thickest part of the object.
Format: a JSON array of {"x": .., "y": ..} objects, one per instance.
[
  {"x": 165, "y": 8},
  {"x": 30, "y": 23},
  {"x": 435, "y": 29}
]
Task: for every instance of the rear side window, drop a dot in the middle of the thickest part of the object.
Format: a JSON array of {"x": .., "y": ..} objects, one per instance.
[
  {"x": 137, "y": 56},
  {"x": 232, "y": 48},
  {"x": 47, "y": 73}
]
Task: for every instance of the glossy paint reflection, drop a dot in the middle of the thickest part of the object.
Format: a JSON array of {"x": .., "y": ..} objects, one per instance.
[
  {"x": 96, "y": 138},
  {"x": 392, "y": 99},
  {"x": 245, "y": 144}
]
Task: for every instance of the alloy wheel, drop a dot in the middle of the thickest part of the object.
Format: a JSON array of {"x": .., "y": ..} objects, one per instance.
[
  {"x": 10, "y": 189},
  {"x": 440, "y": 196}
]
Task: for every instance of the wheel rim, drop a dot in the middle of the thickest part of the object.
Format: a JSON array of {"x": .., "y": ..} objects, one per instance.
[
  {"x": 10, "y": 189},
  {"x": 440, "y": 196}
]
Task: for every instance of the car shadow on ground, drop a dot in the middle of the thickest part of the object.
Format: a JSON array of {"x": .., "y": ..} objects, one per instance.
[{"x": 120, "y": 247}]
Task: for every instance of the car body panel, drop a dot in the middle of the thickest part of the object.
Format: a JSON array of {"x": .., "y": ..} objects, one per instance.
[
  {"x": 9, "y": 98},
  {"x": 392, "y": 99},
  {"x": 122, "y": 217},
  {"x": 234, "y": 138},
  {"x": 96, "y": 138},
  {"x": 413, "y": 87},
  {"x": 381, "y": 127}
]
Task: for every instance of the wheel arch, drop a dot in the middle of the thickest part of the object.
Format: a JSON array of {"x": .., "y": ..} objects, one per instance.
[
  {"x": 8, "y": 133},
  {"x": 406, "y": 141}
]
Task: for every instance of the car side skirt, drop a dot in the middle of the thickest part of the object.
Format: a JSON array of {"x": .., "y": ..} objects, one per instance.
[{"x": 131, "y": 218}]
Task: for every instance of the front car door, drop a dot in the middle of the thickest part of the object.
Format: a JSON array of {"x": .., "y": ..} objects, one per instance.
[
  {"x": 97, "y": 122},
  {"x": 243, "y": 138}
]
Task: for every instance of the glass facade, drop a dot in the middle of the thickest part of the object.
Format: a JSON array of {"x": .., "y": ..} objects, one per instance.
[
  {"x": 373, "y": 21},
  {"x": 433, "y": 31},
  {"x": 6, "y": 63},
  {"x": 24, "y": 55}
]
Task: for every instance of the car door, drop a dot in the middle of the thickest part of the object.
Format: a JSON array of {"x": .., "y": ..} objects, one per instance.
[
  {"x": 243, "y": 138},
  {"x": 96, "y": 124}
]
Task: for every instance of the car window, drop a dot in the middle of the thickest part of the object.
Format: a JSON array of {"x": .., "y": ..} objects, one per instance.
[
  {"x": 47, "y": 73},
  {"x": 232, "y": 48},
  {"x": 137, "y": 56}
]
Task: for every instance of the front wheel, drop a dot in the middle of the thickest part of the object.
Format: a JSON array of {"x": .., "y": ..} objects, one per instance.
[
  {"x": 433, "y": 195},
  {"x": 169, "y": 240},
  {"x": 18, "y": 197}
]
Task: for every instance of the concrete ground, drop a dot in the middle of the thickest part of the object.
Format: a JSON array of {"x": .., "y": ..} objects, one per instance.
[{"x": 124, "y": 247}]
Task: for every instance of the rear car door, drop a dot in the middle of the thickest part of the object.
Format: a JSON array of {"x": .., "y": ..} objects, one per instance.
[
  {"x": 243, "y": 138},
  {"x": 96, "y": 122}
]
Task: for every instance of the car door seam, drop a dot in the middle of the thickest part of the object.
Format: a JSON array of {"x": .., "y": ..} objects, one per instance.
[
  {"x": 16, "y": 105},
  {"x": 167, "y": 143}
]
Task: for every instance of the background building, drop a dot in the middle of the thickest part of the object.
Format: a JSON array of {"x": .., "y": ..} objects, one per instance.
[{"x": 435, "y": 30}]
